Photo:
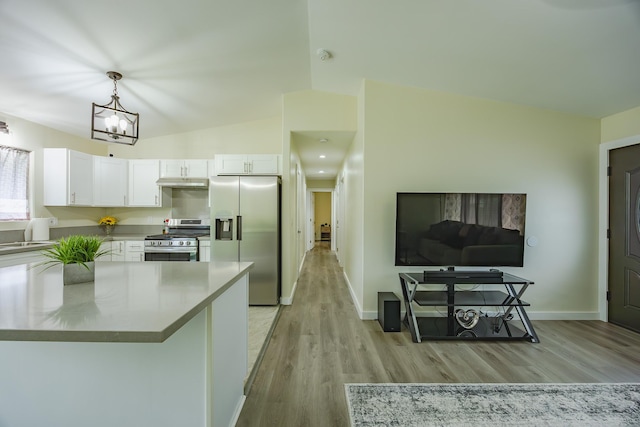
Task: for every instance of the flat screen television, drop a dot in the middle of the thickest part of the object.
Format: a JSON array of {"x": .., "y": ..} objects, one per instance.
[{"x": 460, "y": 229}]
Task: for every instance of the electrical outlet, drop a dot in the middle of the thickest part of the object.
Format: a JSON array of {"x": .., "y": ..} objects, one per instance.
[{"x": 53, "y": 221}]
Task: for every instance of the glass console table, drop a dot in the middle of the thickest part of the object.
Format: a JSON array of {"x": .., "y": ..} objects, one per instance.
[{"x": 445, "y": 289}]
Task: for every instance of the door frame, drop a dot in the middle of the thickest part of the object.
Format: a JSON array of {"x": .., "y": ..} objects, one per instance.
[
  {"x": 603, "y": 219},
  {"x": 310, "y": 192}
]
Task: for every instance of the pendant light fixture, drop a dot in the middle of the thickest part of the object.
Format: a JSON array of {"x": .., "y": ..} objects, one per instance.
[{"x": 111, "y": 122}]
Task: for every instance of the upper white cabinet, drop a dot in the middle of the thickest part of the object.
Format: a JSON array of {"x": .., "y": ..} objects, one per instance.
[
  {"x": 248, "y": 164},
  {"x": 110, "y": 181},
  {"x": 68, "y": 177},
  {"x": 192, "y": 168},
  {"x": 143, "y": 190}
]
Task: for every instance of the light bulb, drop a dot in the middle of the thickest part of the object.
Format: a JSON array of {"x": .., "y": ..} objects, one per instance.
[
  {"x": 112, "y": 124},
  {"x": 123, "y": 125}
]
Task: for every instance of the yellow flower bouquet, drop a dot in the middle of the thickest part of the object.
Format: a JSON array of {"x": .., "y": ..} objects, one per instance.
[
  {"x": 108, "y": 223},
  {"x": 108, "y": 220}
]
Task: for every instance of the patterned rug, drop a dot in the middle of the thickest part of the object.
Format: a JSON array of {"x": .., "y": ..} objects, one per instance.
[{"x": 412, "y": 405}]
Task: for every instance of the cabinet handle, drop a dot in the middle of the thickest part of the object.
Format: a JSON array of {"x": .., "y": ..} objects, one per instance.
[
  {"x": 250, "y": 167},
  {"x": 124, "y": 200},
  {"x": 73, "y": 197},
  {"x": 156, "y": 199}
]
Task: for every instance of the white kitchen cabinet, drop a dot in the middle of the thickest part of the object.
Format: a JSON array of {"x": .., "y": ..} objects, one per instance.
[
  {"x": 247, "y": 164},
  {"x": 123, "y": 250},
  {"x": 191, "y": 168},
  {"x": 143, "y": 190},
  {"x": 134, "y": 250},
  {"x": 118, "y": 250},
  {"x": 110, "y": 181},
  {"x": 68, "y": 177}
]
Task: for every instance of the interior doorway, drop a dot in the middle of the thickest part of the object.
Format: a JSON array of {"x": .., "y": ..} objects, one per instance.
[{"x": 320, "y": 215}]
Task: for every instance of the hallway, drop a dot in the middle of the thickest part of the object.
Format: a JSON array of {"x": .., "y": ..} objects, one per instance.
[{"x": 319, "y": 344}]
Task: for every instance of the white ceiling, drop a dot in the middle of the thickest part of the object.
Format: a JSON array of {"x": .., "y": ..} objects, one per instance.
[{"x": 200, "y": 63}]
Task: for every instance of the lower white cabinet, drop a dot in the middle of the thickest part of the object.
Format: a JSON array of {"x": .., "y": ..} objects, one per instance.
[
  {"x": 134, "y": 250},
  {"x": 123, "y": 250}
]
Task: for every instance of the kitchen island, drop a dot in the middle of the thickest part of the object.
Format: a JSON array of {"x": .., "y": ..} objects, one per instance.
[{"x": 146, "y": 344}]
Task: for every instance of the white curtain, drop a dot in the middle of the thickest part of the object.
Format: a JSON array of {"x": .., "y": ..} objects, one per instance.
[{"x": 14, "y": 184}]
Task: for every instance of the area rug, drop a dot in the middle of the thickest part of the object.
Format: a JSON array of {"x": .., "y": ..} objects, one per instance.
[{"x": 412, "y": 405}]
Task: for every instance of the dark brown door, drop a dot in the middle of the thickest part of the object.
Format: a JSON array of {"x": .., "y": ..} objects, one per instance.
[{"x": 624, "y": 241}]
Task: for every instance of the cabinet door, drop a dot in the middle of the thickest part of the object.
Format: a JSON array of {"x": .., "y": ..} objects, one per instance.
[
  {"x": 171, "y": 168},
  {"x": 143, "y": 190},
  {"x": 134, "y": 250},
  {"x": 117, "y": 250},
  {"x": 110, "y": 181},
  {"x": 196, "y": 168},
  {"x": 263, "y": 164},
  {"x": 80, "y": 173},
  {"x": 231, "y": 164}
]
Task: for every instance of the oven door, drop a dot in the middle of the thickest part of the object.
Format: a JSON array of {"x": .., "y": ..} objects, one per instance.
[{"x": 170, "y": 254}]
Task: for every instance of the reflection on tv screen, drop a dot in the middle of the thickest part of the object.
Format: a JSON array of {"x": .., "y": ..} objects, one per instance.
[{"x": 460, "y": 229}]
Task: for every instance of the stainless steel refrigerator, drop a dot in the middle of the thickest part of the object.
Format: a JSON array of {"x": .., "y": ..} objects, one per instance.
[{"x": 245, "y": 226}]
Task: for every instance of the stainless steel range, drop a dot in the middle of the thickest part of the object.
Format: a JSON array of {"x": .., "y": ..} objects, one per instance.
[{"x": 179, "y": 241}]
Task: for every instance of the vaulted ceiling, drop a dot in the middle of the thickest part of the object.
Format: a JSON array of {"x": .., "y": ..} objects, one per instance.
[{"x": 195, "y": 64}]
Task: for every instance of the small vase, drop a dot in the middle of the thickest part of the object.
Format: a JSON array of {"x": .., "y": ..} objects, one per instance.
[
  {"x": 77, "y": 273},
  {"x": 108, "y": 229}
]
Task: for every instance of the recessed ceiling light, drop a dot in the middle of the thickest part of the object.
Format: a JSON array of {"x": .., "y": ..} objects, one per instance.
[
  {"x": 323, "y": 140},
  {"x": 322, "y": 156},
  {"x": 321, "y": 172}
]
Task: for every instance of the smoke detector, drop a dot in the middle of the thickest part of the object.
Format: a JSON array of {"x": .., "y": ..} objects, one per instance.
[{"x": 323, "y": 54}]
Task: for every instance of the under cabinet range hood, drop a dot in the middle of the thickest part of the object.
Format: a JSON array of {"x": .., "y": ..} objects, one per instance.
[{"x": 183, "y": 182}]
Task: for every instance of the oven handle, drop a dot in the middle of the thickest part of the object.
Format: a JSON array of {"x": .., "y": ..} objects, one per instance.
[
  {"x": 239, "y": 226},
  {"x": 165, "y": 249}
]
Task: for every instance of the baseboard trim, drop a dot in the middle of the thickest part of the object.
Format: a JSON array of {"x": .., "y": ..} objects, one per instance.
[
  {"x": 289, "y": 300},
  {"x": 236, "y": 414},
  {"x": 354, "y": 299}
]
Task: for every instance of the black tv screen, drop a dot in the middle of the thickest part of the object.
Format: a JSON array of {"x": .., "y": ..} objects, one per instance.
[{"x": 460, "y": 229}]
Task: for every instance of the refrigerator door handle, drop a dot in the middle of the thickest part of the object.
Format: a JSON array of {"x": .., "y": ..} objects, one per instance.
[{"x": 239, "y": 227}]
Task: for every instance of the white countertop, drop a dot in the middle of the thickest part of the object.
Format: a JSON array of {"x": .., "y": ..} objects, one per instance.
[{"x": 129, "y": 301}]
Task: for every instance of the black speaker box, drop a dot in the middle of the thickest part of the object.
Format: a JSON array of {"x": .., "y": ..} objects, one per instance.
[{"x": 389, "y": 311}]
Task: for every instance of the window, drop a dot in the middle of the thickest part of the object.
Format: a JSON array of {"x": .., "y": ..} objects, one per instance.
[{"x": 14, "y": 184}]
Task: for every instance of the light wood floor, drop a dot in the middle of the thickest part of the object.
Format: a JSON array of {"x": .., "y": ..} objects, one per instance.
[{"x": 319, "y": 344}]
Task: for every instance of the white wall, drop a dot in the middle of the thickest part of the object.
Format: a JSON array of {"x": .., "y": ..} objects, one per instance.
[
  {"x": 351, "y": 232},
  {"x": 621, "y": 125},
  {"x": 419, "y": 140},
  {"x": 256, "y": 137}
]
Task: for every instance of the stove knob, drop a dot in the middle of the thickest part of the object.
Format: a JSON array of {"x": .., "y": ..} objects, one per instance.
[
  {"x": 181, "y": 243},
  {"x": 152, "y": 243},
  {"x": 170, "y": 243},
  {"x": 188, "y": 243}
]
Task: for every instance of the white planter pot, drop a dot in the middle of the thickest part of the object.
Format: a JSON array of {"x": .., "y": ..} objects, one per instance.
[{"x": 77, "y": 273}]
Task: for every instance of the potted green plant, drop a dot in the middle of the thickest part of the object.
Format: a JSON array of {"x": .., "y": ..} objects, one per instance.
[{"x": 77, "y": 254}]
